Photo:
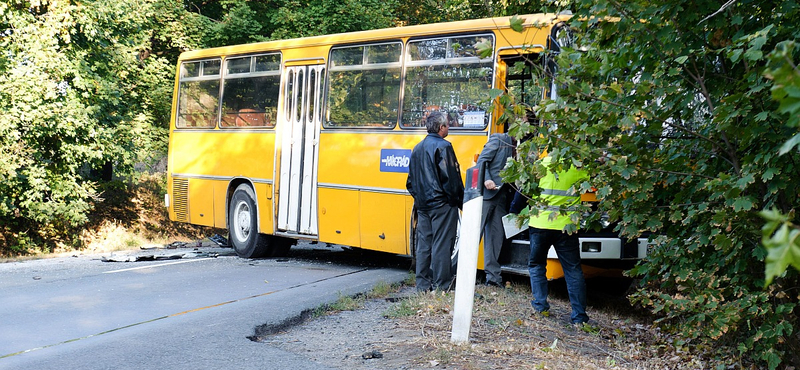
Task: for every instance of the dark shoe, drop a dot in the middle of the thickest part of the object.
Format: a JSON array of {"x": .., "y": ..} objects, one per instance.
[{"x": 494, "y": 284}]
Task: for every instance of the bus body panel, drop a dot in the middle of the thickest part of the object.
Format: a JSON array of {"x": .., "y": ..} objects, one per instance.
[
  {"x": 408, "y": 214},
  {"x": 210, "y": 160},
  {"x": 201, "y": 206},
  {"x": 224, "y": 154},
  {"x": 348, "y": 158},
  {"x": 383, "y": 222},
  {"x": 338, "y": 216},
  {"x": 266, "y": 214}
]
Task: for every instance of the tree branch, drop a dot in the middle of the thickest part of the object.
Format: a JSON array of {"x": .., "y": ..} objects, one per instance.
[
  {"x": 729, "y": 3},
  {"x": 679, "y": 127},
  {"x": 728, "y": 149},
  {"x": 679, "y": 173}
]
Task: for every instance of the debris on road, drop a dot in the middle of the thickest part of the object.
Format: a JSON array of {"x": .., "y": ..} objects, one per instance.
[
  {"x": 372, "y": 354},
  {"x": 149, "y": 257},
  {"x": 201, "y": 249},
  {"x": 220, "y": 240},
  {"x": 163, "y": 257},
  {"x": 176, "y": 244}
]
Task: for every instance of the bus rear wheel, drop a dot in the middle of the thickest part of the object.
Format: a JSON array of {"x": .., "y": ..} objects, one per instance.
[
  {"x": 243, "y": 228},
  {"x": 243, "y": 224}
]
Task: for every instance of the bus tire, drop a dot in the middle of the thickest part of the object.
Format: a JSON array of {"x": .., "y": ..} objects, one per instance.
[
  {"x": 412, "y": 236},
  {"x": 454, "y": 253},
  {"x": 243, "y": 225},
  {"x": 278, "y": 246}
]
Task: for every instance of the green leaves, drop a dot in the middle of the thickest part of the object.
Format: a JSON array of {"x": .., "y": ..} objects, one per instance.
[
  {"x": 784, "y": 72},
  {"x": 485, "y": 48},
  {"x": 782, "y": 240},
  {"x": 81, "y": 86},
  {"x": 743, "y": 204},
  {"x": 790, "y": 144},
  {"x": 516, "y": 23},
  {"x": 691, "y": 118}
]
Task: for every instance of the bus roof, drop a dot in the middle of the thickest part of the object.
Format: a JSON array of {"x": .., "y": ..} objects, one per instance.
[{"x": 530, "y": 20}]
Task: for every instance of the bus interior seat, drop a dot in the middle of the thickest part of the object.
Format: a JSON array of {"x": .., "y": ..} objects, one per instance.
[{"x": 250, "y": 117}]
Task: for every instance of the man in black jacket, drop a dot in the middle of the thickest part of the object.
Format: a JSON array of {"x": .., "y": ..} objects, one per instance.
[{"x": 434, "y": 180}]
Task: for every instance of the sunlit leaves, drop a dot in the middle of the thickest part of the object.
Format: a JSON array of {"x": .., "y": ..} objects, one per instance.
[
  {"x": 782, "y": 240},
  {"x": 516, "y": 23},
  {"x": 485, "y": 48},
  {"x": 81, "y": 85}
]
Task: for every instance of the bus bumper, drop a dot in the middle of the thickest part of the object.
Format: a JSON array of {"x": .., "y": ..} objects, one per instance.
[{"x": 600, "y": 256}]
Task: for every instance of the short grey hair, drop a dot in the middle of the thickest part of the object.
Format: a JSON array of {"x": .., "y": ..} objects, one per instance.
[{"x": 435, "y": 121}]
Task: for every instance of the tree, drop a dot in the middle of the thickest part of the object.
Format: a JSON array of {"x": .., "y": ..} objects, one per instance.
[
  {"x": 669, "y": 106},
  {"x": 80, "y": 86},
  {"x": 230, "y": 22}
]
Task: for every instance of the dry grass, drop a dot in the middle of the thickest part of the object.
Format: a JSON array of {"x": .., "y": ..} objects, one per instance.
[
  {"x": 125, "y": 216},
  {"x": 138, "y": 209},
  {"x": 506, "y": 333}
]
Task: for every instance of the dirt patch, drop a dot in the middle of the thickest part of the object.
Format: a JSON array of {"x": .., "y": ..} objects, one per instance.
[
  {"x": 414, "y": 333},
  {"x": 359, "y": 339}
]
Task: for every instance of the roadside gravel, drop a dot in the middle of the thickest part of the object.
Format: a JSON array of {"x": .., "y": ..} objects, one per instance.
[{"x": 412, "y": 331}]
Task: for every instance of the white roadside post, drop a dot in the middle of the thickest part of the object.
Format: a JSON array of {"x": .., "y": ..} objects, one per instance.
[{"x": 468, "y": 243}]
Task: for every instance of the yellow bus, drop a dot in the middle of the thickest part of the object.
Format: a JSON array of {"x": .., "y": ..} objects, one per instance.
[{"x": 310, "y": 138}]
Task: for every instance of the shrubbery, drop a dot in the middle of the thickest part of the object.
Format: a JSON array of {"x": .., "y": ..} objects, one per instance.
[{"x": 677, "y": 100}]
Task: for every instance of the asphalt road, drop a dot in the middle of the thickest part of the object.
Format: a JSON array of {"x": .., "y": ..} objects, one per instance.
[{"x": 199, "y": 311}]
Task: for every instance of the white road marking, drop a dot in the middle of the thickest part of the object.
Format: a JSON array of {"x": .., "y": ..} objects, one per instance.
[{"x": 159, "y": 265}]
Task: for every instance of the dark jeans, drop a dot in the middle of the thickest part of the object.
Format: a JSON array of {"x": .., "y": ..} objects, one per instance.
[
  {"x": 568, "y": 251},
  {"x": 436, "y": 236}
]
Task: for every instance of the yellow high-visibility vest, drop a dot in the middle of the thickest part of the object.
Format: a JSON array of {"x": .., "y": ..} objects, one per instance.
[{"x": 560, "y": 189}]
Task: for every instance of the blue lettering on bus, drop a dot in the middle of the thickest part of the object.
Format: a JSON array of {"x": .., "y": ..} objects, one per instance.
[{"x": 395, "y": 160}]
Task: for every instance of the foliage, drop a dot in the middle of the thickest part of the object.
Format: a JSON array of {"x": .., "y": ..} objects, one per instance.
[
  {"x": 783, "y": 245},
  {"x": 433, "y": 11},
  {"x": 231, "y": 22},
  {"x": 669, "y": 107},
  {"x": 782, "y": 240},
  {"x": 81, "y": 87},
  {"x": 86, "y": 86}
]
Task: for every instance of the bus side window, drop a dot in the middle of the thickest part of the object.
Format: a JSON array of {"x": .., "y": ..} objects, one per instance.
[
  {"x": 250, "y": 91},
  {"x": 198, "y": 94},
  {"x": 198, "y": 104},
  {"x": 446, "y": 74},
  {"x": 364, "y": 86}
]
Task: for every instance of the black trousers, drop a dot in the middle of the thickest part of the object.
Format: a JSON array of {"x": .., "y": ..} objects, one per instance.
[{"x": 436, "y": 236}]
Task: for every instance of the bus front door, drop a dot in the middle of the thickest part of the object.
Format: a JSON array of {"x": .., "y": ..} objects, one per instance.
[{"x": 297, "y": 190}]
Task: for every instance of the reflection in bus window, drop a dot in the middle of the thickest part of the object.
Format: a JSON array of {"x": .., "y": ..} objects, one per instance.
[
  {"x": 288, "y": 95},
  {"x": 211, "y": 68},
  {"x": 312, "y": 103},
  {"x": 298, "y": 108},
  {"x": 250, "y": 91},
  {"x": 364, "y": 89},
  {"x": 447, "y": 74},
  {"x": 198, "y": 94}
]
